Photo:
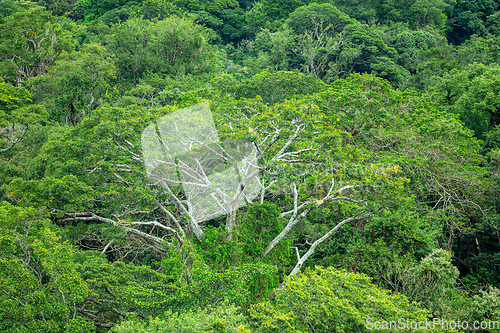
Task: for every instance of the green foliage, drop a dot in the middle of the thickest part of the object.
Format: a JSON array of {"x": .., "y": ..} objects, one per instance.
[
  {"x": 221, "y": 319},
  {"x": 241, "y": 285},
  {"x": 386, "y": 126},
  {"x": 122, "y": 289},
  {"x": 66, "y": 193},
  {"x": 69, "y": 158},
  {"x": 316, "y": 78},
  {"x": 406, "y": 227},
  {"x": 482, "y": 268},
  {"x": 363, "y": 11},
  {"x": 157, "y": 9},
  {"x": 479, "y": 105},
  {"x": 260, "y": 224},
  {"x": 40, "y": 283},
  {"x": 217, "y": 250},
  {"x": 12, "y": 98},
  {"x": 273, "y": 87},
  {"x": 425, "y": 53},
  {"x": 481, "y": 50},
  {"x": 281, "y": 10},
  {"x": 393, "y": 122},
  {"x": 486, "y": 305},
  {"x": 379, "y": 56},
  {"x": 473, "y": 94},
  {"x": 127, "y": 41},
  {"x": 432, "y": 282},
  {"x": 322, "y": 41},
  {"x": 307, "y": 18},
  {"x": 173, "y": 46},
  {"x": 416, "y": 13},
  {"x": 329, "y": 300},
  {"x": 10, "y": 7},
  {"x": 468, "y": 19},
  {"x": 76, "y": 83},
  {"x": 93, "y": 9},
  {"x": 273, "y": 50},
  {"x": 224, "y": 16},
  {"x": 410, "y": 46},
  {"x": 17, "y": 114},
  {"x": 181, "y": 47},
  {"x": 255, "y": 19},
  {"x": 8, "y": 172},
  {"x": 31, "y": 41},
  {"x": 15, "y": 108}
]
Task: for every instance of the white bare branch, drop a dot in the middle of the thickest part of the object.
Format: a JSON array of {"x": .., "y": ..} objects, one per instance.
[
  {"x": 157, "y": 243},
  {"x": 280, "y": 153},
  {"x": 314, "y": 245},
  {"x": 131, "y": 154},
  {"x": 309, "y": 206},
  {"x": 172, "y": 217},
  {"x": 16, "y": 140},
  {"x": 179, "y": 205}
]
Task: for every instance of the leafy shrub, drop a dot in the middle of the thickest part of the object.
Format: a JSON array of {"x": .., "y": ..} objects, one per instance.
[
  {"x": 223, "y": 319},
  {"x": 330, "y": 300}
]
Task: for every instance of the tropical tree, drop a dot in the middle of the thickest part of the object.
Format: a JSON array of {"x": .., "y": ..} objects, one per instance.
[
  {"x": 473, "y": 94},
  {"x": 467, "y": 19},
  {"x": 326, "y": 43},
  {"x": 17, "y": 114},
  {"x": 113, "y": 169},
  {"x": 330, "y": 300},
  {"x": 40, "y": 283},
  {"x": 75, "y": 85},
  {"x": 31, "y": 42},
  {"x": 173, "y": 46}
]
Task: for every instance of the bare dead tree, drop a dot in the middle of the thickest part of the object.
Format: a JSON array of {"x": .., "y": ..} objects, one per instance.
[{"x": 204, "y": 177}]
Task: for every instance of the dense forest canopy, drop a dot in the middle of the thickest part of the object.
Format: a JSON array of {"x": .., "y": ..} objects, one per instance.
[{"x": 249, "y": 166}]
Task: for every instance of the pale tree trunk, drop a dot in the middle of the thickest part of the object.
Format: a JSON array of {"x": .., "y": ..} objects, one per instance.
[{"x": 231, "y": 224}]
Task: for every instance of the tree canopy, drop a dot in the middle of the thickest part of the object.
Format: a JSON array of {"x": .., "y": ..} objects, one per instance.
[{"x": 248, "y": 166}]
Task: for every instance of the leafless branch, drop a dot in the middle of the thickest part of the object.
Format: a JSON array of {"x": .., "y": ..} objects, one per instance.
[
  {"x": 309, "y": 206},
  {"x": 311, "y": 250},
  {"x": 157, "y": 243},
  {"x": 16, "y": 140}
]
